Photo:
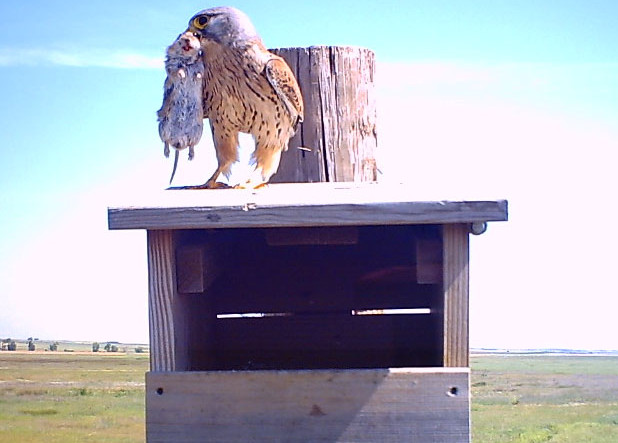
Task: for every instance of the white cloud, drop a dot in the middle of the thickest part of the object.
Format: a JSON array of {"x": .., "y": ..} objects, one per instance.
[{"x": 116, "y": 59}]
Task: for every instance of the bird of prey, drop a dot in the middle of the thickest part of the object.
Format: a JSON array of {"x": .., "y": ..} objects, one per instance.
[
  {"x": 181, "y": 117},
  {"x": 246, "y": 89}
]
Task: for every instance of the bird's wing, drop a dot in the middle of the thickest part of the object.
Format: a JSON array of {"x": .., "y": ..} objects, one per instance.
[{"x": 284, "y": 83}]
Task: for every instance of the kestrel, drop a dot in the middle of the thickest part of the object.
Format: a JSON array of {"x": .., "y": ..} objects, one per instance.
[
  {"x": 181, "y": 117},
  {"x": 246, "y": 89}
]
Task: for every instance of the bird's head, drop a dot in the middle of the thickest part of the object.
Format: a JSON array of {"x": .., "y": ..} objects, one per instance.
[{"x": 224, "y": 25}]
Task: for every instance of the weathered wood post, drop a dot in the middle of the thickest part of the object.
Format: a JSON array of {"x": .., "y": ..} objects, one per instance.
[{"x": 338, "y": 138}]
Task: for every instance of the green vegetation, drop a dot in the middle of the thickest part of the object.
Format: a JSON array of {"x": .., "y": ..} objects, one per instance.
[
  {"x": 545, "y": 398},
  {"x": 72, "y": 397},
  {"x": 86, "y": 396}
]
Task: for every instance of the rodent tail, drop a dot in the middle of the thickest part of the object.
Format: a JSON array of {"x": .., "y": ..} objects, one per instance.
[{"x": 175, "y": 164}]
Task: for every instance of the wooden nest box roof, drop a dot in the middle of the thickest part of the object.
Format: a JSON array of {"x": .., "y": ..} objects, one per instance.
[{"x": 298, "y": 205}]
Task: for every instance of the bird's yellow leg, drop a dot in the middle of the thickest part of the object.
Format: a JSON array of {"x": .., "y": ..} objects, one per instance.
[
  {"x": 212, "y": 182},
  {"x": 226, "y": 146}
]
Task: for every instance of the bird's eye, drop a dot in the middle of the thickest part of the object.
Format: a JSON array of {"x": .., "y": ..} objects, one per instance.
[{"x": 200, "y": 22}]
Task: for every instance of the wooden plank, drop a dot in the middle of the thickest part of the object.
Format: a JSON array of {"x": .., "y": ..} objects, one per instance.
[
  {"x": 197, "y": 266},
  {"x": 456, "y": 299},
  {"x": 168, "y": 350},
  {"x": 288, "y": 205},
  {"x": 309, "y": 406}
]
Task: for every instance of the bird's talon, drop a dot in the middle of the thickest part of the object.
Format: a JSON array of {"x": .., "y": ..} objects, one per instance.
[
  {"x": 207, "y": 185},
  {"x": 216, "y": 185}
]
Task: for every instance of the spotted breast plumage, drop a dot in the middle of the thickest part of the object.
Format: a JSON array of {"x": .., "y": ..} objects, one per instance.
[
  {"x": 181, "y": 115},
  {"x": 246, "y": 89}
]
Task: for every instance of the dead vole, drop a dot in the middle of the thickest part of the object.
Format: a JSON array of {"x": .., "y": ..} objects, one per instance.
[{"x": 181, "y": 115}]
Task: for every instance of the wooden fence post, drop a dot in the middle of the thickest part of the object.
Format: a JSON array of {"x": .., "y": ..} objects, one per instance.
[{"x": 338, "y": 137}]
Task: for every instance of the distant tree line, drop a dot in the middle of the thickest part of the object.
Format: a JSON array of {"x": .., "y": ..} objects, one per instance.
[{"x": 8, "y": 344}]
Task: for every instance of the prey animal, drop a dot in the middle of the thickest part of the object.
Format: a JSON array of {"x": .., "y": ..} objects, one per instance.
[
  {"x": 246, "y": 89},
  {"x": 181, "y": 115}
]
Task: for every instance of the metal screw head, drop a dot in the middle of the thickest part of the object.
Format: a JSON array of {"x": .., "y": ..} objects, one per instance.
[{"x": 478, "y": 228}]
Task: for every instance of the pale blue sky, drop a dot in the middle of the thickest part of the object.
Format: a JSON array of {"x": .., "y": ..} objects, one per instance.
[{"x": 482, "y": 99}]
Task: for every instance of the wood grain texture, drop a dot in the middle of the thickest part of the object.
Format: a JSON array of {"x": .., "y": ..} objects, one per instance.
[
  {"x": 338, "y": 137},
  {"x": 309, "y": 406},
  {"x": 456, "y": 298},
  {"x": 167, "y": 332},
  {"x": 303, "y": 204}
]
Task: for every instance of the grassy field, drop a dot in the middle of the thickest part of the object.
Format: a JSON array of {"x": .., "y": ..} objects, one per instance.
[
  {"x": 83, "y": 396},
  {"x": 72, "y": 397},
  {"x": 545, "y": 398}
]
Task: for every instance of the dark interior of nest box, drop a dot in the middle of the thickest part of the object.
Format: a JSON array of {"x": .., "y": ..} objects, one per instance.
[{"x": 311, "y": 298}]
